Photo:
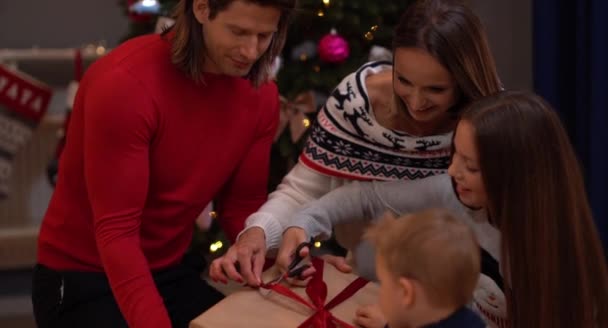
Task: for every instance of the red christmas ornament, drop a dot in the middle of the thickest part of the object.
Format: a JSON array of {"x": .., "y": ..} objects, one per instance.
[{"x": 333, "y": 48}]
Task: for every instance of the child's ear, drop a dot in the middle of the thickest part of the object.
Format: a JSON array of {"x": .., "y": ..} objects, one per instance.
[
  {"x": 200, "y": 8},
  {"x": 407, "y": 291}
]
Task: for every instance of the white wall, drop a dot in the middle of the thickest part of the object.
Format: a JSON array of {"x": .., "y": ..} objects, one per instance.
[
  {"x": 60, "y": 23},
  {"x": 509, "y": 27}
]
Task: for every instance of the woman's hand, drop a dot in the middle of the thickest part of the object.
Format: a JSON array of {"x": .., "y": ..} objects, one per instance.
[
  {"x": 249, "y": 252},
  {"x": 370, "y": 316}
]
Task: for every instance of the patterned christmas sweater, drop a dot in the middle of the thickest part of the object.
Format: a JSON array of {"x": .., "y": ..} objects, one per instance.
[
  {"x": 347, "y": 144},
  {"x": 347, "y": 141}
]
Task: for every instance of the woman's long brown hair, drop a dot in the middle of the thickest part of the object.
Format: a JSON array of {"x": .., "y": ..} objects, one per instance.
[{"x": 552, "y": 258}]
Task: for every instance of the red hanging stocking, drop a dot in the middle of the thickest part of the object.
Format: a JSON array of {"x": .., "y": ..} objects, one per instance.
[{"x": 23, "y": 103}]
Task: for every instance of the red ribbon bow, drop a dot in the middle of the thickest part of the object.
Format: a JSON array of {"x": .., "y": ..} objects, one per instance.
[{"x": 317, "y": 292}]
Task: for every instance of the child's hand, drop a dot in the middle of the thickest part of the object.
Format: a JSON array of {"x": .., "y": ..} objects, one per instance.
[{"x": 370, "y": 316}]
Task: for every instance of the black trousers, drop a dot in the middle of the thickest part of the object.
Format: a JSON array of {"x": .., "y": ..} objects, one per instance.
[{"x": 84, "y": 299}]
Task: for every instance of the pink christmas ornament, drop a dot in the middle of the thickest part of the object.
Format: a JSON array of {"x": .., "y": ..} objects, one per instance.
[{"x": 333, "y": 48}]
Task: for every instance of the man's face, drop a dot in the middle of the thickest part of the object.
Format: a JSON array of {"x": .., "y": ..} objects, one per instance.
[{"x": 237, "y": 36}]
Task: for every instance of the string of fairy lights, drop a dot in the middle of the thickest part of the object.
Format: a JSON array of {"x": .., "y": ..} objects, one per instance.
[{"x": 304, "y": 55}]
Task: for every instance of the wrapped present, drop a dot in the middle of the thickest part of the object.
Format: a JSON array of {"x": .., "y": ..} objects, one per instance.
[{"x": 328, "y": 301}]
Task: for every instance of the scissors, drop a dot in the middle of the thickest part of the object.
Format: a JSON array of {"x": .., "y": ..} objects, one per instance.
[{"x": 293, "y": 270}]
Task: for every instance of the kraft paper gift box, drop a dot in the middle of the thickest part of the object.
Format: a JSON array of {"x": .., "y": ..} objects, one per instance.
[{"x": 253, "y": 308}]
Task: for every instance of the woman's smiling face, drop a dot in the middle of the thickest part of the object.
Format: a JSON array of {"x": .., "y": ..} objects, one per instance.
[{"x": 464, "y": 168}]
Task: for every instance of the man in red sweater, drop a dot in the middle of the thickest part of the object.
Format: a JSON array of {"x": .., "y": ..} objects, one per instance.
[{"x": 161, "y": 126}]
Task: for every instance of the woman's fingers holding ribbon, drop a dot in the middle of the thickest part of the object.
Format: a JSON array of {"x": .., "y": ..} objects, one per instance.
[
  {"x": 223, "y": 268},
  {"x": 243, "y": 261}
]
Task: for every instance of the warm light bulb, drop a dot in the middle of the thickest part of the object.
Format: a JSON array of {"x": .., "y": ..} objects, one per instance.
[
  {"x": 216, "y": 246},
  {"x": 374, "y": 28},
  {"x": 213, "y": 214},
  {"x": 326, "y": 3},
  {"x": 145, "y": 7},
  {"x": 100, "y": 50},
  {"x": 317, "y": 244},
  {"x": 369, "y": 36},
  {"x": 320, "y": 13},
  {"x": 306, "y": 122}
]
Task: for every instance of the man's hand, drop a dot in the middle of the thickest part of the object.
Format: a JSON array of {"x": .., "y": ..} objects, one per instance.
[
  {"x": 370, "y": 316},
  {"x": 249, "y": 253}
]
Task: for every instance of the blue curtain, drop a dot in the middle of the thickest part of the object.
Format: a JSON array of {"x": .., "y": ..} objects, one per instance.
[{"x": 571, "y": 71}]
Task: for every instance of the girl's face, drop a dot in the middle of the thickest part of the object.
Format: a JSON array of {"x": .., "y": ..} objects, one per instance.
[
  {"x": 464, "y": 168},
  {"x": 426, "y": 88}
]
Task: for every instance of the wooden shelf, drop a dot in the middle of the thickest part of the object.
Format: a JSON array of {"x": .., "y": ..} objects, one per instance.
[{"x": 47, "y": 54}]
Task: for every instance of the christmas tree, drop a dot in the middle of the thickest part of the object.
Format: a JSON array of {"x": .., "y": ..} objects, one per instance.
[{"x": 313, "y": 59}]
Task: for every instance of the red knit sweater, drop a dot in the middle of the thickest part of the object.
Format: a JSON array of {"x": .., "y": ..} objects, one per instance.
[{"x": 146, "y": 150}]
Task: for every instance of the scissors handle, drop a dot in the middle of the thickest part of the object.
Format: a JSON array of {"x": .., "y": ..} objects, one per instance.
[
  {"x": 292, "y": 271},
  {"x": 298, "y": 271},
  {"x": 297, "y": 258}
]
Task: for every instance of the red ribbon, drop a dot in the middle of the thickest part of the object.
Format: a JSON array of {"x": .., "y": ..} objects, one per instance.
[{"x": 317, "y": 292}]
